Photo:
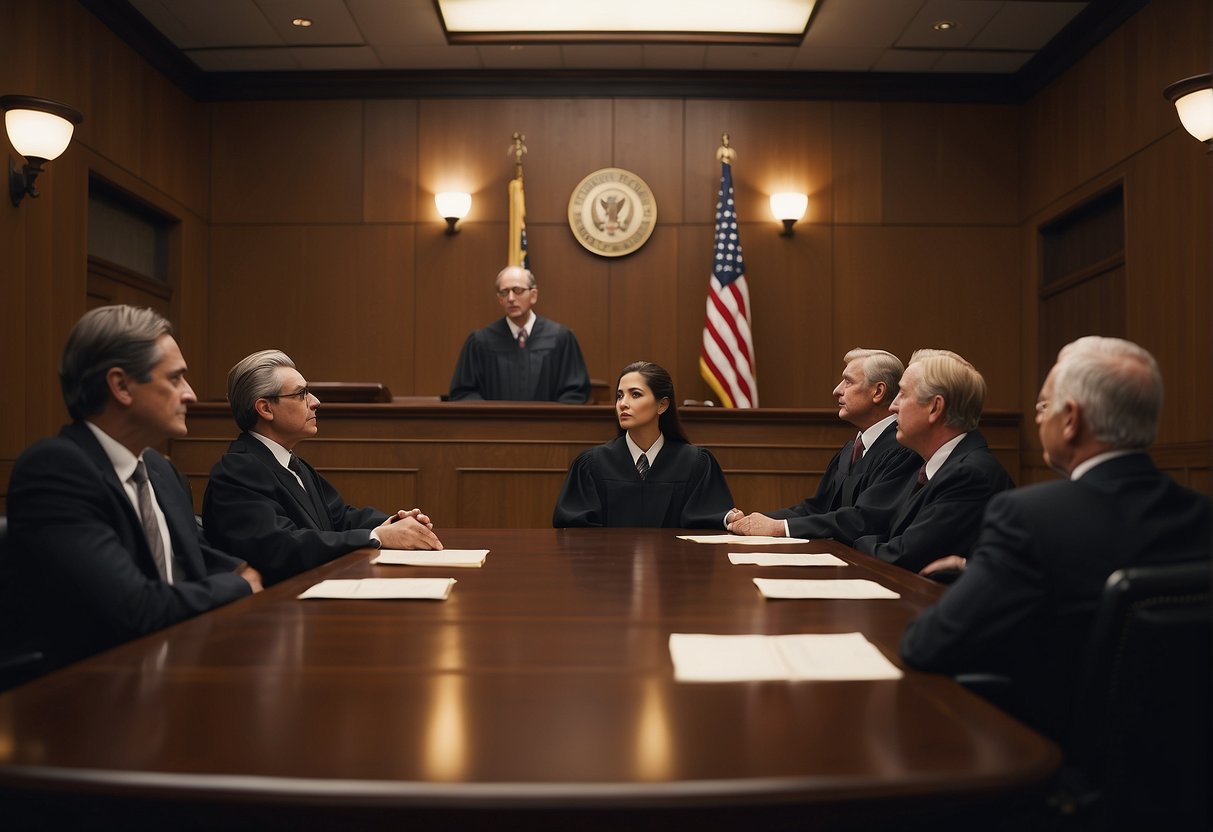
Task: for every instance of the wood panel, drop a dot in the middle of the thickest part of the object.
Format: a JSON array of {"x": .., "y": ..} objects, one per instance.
[
  {"x": 904, "y": 288},
  {"x": 287, "y": 162},
  {"x": 305, "y": 289},
  {"x": 497, "y": 465},
  {"x": 175, "y": 142},
  {"x": 858, "y": 169},
  {"x": 389, "y": 188},
  {"x": 952, "y": 164}
]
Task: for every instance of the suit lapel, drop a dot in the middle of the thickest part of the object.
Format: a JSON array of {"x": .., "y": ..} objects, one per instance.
[
  {"x": 286, "y": 480},
  {"x": 182, "y": 527},
  {"x": 312, "y": 483}
]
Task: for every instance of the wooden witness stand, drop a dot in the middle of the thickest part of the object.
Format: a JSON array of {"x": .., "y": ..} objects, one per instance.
[{"x": 501, "y": 464}]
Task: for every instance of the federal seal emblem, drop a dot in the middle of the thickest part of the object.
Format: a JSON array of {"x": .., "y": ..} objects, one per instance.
[{"x": 612, "y": 212}]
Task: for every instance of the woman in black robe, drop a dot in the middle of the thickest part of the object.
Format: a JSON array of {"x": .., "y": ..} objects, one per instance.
[{"x": 650, "y": 475}]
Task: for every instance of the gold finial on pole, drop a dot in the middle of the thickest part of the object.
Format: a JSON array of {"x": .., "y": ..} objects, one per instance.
[
  {"x": 518, "y": 149},
  {"x": 724, "y": 153}
]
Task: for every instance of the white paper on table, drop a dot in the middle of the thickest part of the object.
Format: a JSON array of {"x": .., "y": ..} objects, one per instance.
[
  {"x": 784, "y": 559},
  {"x": 756, "y": 658},
  {"x": 446, "y": 557},
  {"x": 853, "y": 588},
  {"x": 742, "y": 539},
  {"x": 436, "y": 589}
]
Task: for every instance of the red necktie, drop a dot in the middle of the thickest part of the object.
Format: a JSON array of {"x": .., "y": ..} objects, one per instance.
[
  {"x": 521, "y": 339},
  {"x": 857, "y": 449},
  {"x": 922, "y": 478}
]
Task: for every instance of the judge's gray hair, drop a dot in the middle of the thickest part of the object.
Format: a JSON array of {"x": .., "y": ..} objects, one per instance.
[{"x": 1118, "y": 386}]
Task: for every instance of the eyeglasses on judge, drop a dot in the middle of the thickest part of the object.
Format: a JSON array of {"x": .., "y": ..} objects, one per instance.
[{"x": 516, "y": 291}]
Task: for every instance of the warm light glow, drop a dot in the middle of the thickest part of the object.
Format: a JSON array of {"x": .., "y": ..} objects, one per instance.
[
  {"x": 453, "y": 204},
  {"x": 943, "y": 26},
  {"x": 788, "y": 17},
  {"x": 1196, "y": 113},
  {"x": 789, "y": 206},
  {"x": 37, "y": 134},
  {"x": 301, "y": 22}
]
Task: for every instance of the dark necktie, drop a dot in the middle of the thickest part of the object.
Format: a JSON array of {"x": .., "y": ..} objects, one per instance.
[
  {"x": 642, "y": 466},
  {"x": 857, "y": 449},
  {"x": 147, "y": 515},
  {"x": 293, "y": 464},
  {"x": 521, "y": 339},
  {"x": 922, "y": 479}
]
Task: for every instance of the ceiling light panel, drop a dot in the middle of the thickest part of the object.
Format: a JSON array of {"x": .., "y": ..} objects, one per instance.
[{"x": 522, "y": 18}]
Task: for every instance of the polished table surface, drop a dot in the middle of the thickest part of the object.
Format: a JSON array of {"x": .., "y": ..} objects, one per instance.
[{"x": 543, "y": 682}]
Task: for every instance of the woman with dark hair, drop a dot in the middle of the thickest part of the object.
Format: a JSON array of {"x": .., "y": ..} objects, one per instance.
[{"x": 650, "y": 475}]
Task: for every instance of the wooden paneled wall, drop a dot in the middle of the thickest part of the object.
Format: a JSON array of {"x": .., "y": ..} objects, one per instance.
[
  {"x": 1105, "y": 121},
  {"x": 324, "y": 233},
  {"x": 309, "y": 225}
]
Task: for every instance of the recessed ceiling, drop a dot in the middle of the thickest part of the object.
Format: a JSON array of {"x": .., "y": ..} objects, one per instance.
[{"x": 986, "y": 36}]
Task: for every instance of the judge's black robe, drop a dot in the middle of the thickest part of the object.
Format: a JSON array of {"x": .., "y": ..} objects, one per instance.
[
  {"x": 684, "y": 489},
  {"x": 549, "y": 369}
]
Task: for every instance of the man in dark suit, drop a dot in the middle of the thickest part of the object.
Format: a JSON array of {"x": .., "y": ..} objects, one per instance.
[
  {"x": 1025, "y": 601},
  {"x": 870, "y": 381},
  {"x": 266, "y": 504},
  {"x": 521, "y": 357},
  {"x": 104, "y": 545}
]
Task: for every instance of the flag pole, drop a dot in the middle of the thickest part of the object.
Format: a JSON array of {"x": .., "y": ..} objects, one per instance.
[{"x": 517, "y": 255}]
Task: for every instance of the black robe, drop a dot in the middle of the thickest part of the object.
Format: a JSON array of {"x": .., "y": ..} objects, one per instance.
[
  {"x": 684, "y": 489},
  {"x": 549, "y": 369}
]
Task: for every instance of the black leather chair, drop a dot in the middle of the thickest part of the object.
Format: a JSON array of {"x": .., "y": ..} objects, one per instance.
[
  {"x": 17, "y": 664},
  {"x": 1139, "y": 755}
]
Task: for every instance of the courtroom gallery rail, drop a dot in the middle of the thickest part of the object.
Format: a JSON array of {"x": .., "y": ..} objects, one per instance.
[{"x": 540, "y": 693}]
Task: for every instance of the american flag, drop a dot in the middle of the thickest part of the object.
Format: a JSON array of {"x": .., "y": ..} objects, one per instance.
[
  {"x": 726, "y": 361},
  {"x": 518, "y": 254}
]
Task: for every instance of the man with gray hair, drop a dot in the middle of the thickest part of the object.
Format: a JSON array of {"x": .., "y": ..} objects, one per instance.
[
  {"x": 270, "y": 506},
  {"x": 870, "y": 381},
  {"x": 103, "y": 543},
  {"x": 521, "y": 357},
  {"x": 1025, "y": 602}
]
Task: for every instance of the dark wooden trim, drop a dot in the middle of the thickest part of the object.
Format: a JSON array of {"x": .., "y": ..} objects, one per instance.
[
  {"x": 121, "y": 274},
  {"x": 128, "y": 24},
  {"x": 1082, "y": 275}
]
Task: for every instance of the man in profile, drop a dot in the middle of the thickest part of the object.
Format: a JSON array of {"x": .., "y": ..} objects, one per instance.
[
  {"x": 1026, "y": 598},
  {"x": 938, "y": 511},
  {"x": 268, "y": 505},
  {"x": 870, "y": 381},
  {"x": 104, "y": 545},
  {"x": 521, "y": 357}
]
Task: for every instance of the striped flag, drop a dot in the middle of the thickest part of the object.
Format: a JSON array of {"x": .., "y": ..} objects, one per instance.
[{"x": 726, "y": 361}]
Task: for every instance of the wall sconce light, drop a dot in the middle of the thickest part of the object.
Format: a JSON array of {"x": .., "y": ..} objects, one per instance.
[
  {"x": 1193, "y": 98},
  {"x": 40, "y": 131},
  {"x": 452, "y": 207},
  {"x": 788, "y": 208}
]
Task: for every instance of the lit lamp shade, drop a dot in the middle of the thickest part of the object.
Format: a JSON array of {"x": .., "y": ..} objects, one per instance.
[
  {"x": 789, "y": 206},
  {"x": 453, "y": 204},
  {"x": 1193, "y": 100},
  {"x": 38, "y": 129}
]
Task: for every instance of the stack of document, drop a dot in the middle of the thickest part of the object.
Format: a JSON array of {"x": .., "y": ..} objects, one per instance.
[
  {"x": 757, "y": 658},
  {"x": 447, "y": 557},
  {"x": 435, "y": 589}
]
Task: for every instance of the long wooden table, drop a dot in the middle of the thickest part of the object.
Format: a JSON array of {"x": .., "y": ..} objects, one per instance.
[{"x": 540, "y": 692}]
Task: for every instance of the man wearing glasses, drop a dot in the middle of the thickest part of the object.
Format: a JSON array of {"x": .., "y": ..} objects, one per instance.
[
  {"x": 270, "y": 506},
  {"x": 521, "y": 357}
]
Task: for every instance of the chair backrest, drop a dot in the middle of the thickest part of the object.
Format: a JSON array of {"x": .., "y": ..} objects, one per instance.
[{"x": 1143, "y": 733}]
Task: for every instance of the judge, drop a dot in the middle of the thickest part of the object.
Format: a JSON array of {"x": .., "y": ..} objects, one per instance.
[
  {"x": 650, "y": 475},
  {"x": 521, "y": 357}
]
